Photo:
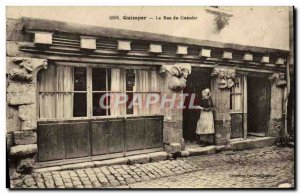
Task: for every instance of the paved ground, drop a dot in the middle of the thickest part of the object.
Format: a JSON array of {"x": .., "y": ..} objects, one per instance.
[{"x": 258, "y": 168}]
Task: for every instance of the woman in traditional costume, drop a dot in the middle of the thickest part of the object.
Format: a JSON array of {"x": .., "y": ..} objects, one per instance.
[{"x": 205, "y": 125}]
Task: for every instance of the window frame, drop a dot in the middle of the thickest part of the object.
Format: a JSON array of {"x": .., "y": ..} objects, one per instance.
[
  {"x": 89, "y": 91},
  {"x": 241, "y": 94},
  {"x": 56, "y": 92}
]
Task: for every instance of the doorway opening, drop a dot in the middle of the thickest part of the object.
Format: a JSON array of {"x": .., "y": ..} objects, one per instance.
[
  {"x": 196, "y": 82},
  {"x": 259, "y": 94}
]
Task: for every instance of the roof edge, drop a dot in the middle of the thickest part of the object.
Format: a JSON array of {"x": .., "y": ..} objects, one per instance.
[{"x": 31, "y": 24}]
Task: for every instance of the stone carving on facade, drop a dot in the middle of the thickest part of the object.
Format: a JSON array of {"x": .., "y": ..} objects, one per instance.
[
  {"x": 225, "y": 77},
  {"x": 177, "y": 75},
  {"x": 278, "y": 79},
  {"x": 26, "y": 68}
]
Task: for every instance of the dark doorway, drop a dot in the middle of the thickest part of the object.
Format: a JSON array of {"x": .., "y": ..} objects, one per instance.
[
  {"x": 259, "y": 93},
  {"x": 196, "y": 82}
]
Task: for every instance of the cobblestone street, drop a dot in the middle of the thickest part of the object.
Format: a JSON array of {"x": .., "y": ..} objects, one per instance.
[{"x": 258, "y": 168}]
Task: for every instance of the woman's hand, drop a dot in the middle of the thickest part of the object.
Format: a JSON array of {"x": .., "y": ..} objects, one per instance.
[{"x": 199, "y": 107}]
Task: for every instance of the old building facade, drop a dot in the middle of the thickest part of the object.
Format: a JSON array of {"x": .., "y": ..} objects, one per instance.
[{"x": 57, "y": 71}]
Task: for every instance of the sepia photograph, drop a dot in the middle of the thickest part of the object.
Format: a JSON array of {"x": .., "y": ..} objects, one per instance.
[{"x": 150, "y": 97}]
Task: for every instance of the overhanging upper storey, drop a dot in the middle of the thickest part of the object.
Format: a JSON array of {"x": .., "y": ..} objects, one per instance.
[{"x": 54, "y": 39}]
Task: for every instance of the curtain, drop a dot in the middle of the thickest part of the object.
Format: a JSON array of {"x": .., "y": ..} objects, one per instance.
[
  {"x": 237, "y": 98},
  {"x": 118, "y": 87},
  {"x": 56, "y": 97},
  {"x": 147, "y": 83},
  {"x": 157, "y": 86},
  {"x": 47, "y": 103},
  {"x": 142, "y": 85},
  {"x": 64, "y": 97}
]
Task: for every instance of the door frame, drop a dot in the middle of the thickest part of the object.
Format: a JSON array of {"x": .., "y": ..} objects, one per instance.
[
  {"x": 243, "y": 110},
  {"x": 187, "y": 89}
]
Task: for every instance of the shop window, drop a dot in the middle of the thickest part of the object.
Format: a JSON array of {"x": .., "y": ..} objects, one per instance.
[
  {"x": 236, "y": 100},
  {"x": 68, "y": 92}
]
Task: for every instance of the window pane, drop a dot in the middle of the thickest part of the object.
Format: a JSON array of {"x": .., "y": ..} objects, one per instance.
[
  {"x": 236, "y": 102},
  {"x": 142, "y": 81},
  {"x": 47, "y": 81},
  {"x": 99, "y": 79},
  {"x": 80, "y": 102},
  {"x": 47, "y": 105},
  {"x": 236, "y": 95},
  {"x": 98, "y": 110},
  {"x": 80, "y": 78},
  {"x": 130, "y": 79}
]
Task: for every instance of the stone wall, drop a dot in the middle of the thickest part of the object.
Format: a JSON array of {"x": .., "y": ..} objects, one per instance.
[
  {"x": 221, "y": 100},
  {"x": 21, "y": 117},
  {"x": 276, "y": 117},
  {"x": 174, "y": 77},
  {"x": 172, "y": 131}
]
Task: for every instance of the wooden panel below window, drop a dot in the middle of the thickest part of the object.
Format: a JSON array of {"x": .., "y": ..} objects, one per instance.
[
  {"x": 116, "y": 141},
  {"x": 134, "y": 134},
  {"x": 236, "y": 125},
  {"x": 50, "y": 142},
  {"x": 76, "y": 139},
  {"x": 153, "y": 133},
  {"x": 100, "y": 137}
]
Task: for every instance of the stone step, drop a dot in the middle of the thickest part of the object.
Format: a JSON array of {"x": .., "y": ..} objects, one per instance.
[
  {"x": 234, "y": 144},
  {"x": 251, "y": 143},
  {"x": 195, "y": 151}
]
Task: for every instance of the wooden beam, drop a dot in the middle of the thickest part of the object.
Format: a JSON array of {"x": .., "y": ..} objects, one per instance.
[
  {"x": 124, "y": 45},
  {"x": 280, "y": 61},
  {"x": 32, "y": 24},
  {"x": 182, "y": 50},
  {"x": 248, "y": 57},
  {"x": 43, "y": 38},
  {"x": 227, "y": 55},
  {"x": 265, "y": 59},
  {"x": 155, "y": 48},
  {"x": 205, "y": 52},
  {"x": 87, "y": 42}
]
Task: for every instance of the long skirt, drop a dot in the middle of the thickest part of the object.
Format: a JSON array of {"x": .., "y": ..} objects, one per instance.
[{"x": 205, "y": 124}]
